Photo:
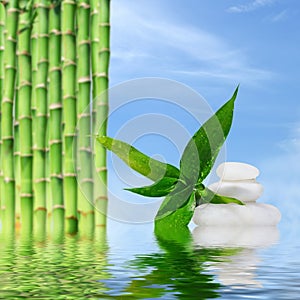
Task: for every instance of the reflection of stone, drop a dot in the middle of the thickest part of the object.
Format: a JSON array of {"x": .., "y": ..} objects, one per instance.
[
  {"x": 233, "y": 236},
  {"x": 236, "y": 268},
  {"x": 239, "y": 270}
]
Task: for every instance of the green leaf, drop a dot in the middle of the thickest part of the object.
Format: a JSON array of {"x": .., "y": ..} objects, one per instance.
[
  {"x": 208, "y": 196},
  {"x": 138, "y": 161},
  {"x": 203, "y": 148},
  {"x": 159, "y": 189},
  {"x": 177, "y": 216},
  {"x": 175, "y": 200}
]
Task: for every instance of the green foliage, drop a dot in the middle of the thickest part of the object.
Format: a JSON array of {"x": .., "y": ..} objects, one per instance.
[
  {"x": 160, "y": 188},
  {"x": 203, "y": 148},
  {"x": 183, "y": 188},
  {"x": 208, "y": 196},
  {"x": 138, "y": 161}
]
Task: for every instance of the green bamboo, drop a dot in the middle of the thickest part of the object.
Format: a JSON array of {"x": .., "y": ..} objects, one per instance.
[
  {"x": 40, "y": 90},
  {"x": 102, "y": 109},
  {"x": 25, "y": 119},
  {"x": 7, "y": 157},
  {"x": 55, "y": 122},
  {"x": 94, "y": 18},
  {"x": 34, "y": 57},
  {"x": 69, "y": 109},
  {"x": 2, "y": 44},
  {"x": 94, "y": 35},
  {"x": 17, "y": 160},
  {"x": 85, "y": 192}
]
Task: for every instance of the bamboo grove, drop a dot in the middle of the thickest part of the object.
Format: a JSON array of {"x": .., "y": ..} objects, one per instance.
[{"x": 54, "y": 59}]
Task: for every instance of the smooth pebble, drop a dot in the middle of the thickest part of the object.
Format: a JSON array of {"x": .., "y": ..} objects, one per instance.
[
  {"x": 252, "y": 214},
  {"x": 237, "y": 171},
  {"x": 246, "y": 191}
]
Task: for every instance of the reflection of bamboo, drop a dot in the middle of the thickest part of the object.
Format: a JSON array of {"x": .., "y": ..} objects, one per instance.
[
  {"x": 61, "y": 267},
  {"x": 7, "y": 260},
  {"x": 89, "y": 256}
]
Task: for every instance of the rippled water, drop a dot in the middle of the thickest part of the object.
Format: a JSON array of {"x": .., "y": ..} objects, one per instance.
[{"x": 134, "y": 262}]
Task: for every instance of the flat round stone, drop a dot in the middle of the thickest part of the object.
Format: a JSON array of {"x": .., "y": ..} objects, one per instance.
[
  {"x": 237, "y": 171},
  {"x": 245, "y": 191},
  {"x": 251, "y": 214}
]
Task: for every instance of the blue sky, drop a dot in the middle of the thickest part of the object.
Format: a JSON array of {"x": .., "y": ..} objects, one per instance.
[{"x": 212, "y": 46}]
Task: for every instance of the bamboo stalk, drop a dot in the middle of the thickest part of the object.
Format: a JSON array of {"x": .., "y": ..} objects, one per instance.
[
  {"x": 69, "y": 109},
  {"x": 10, "y": 60},
  {"x": 102, "y": 109},
  {"x": 94, "y": 17},
  {"x": 34, "y": 67},
  {"x": 85, "y": 175},
  {"x": 17, "y": 161},
  {"x": 25, "y": 119},
  {"x": 55, "y": 125},
  {"x": 40, "y": 90},
  {"x": 2, "y": 44}
]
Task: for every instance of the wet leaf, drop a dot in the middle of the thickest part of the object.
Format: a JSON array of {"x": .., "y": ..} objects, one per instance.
[
  {"x": 159, "y": 189},
  {"x": 202, "y": 150},
  {"x": 208, "y": 196},
  {"x": 171, "y": 215},
  {"x": 175, "y": 200},
  {"x": 138, "y": 161}
]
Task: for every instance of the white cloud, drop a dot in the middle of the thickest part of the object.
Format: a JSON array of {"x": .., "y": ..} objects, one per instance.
[
  {"x": 144, "y": 43},
  {"x": 250, "y": 6},
  {"x": 279, "y": 17},
  {"x": 281, "y": 177}
]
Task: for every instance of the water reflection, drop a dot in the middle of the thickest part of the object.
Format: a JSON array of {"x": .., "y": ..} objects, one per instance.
[
  {"x": 186, "y": 265},
  {"x": 198, "y": 265},
  {"x": 175, "y": 271},
  {"x": 58, "y": 267},
  {"x": 239, "y": 270}
]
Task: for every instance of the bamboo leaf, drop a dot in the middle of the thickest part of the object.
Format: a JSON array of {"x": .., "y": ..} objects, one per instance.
[
  {"x": 173, "y": 215},
  {"x": 208, "y": 196},
  {"x": 175, "y": 200},
  {"x": 138, "y": 161},
  {"x": 159, "y": 189},
  {"x": 203, "y": 148}
]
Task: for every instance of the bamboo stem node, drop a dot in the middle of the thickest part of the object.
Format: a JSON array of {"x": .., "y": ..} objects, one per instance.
[
  {"x": 40, "y": 208},
  {"x": 58, "y": 206},
  {"x": 53, "y": 142}
]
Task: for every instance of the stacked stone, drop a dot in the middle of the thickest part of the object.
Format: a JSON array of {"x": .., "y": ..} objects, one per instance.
[{"x": 237, "y": 180}]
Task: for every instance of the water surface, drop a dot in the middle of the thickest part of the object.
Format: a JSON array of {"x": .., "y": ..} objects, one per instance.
[{"x": 135, "y": 262}]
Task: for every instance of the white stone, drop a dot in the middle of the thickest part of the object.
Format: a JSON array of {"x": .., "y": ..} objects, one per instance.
[
  {"x": 236, "y": 171},
  {"x": 251, "y": 214},
  {"x": 246, "y": 191}
]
